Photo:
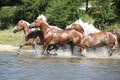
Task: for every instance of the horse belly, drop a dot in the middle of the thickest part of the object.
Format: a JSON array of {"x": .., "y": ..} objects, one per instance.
[
  {"x": 62, "y": 38},
  {"x": 97, "y": 42}
]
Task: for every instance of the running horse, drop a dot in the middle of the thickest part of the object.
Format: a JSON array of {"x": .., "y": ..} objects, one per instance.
[
  {"x": 55, "y": 36},
  {"x": 76, "y": 27},
  {"x": 31, "y": 36},
  {"x": 99, "y": 39}
]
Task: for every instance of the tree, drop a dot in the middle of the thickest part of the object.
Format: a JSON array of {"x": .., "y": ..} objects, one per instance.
[
  {"x": 62, "y": 12},
  {"x": 102, "y": 11},
  {"x": 29, "y": 10},
  {"x": 7, "y": 11}
]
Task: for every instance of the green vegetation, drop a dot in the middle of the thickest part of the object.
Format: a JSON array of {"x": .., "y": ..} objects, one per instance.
[
  {"x": 59, "y": 12},
  {"x": 8, "y": 37}
]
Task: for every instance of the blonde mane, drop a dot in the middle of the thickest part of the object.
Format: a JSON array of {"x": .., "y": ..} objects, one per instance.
[{"x": 43, "y": 17}]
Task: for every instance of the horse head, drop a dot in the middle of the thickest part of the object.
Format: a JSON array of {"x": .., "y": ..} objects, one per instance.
[
  {"x": 76, "y": 27},
  {"x": 20, "y": 26}
]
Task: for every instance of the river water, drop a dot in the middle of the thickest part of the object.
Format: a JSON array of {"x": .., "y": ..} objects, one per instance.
[{"x": 29, "y": 67}]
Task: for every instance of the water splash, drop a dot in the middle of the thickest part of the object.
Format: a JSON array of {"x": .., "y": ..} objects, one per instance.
[
  {"x": 99, "y": 52},
  {"x": 37, "y": 50}
]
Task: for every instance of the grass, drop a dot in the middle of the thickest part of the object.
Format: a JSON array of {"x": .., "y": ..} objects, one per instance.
[{"x": 8, "y": 37}]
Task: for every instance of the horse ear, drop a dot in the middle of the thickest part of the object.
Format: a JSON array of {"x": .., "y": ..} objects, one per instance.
[{"x": 21, "y": 20}]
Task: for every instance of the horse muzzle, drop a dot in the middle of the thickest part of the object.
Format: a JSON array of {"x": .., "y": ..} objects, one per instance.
[{"x": 15, "y": 30}]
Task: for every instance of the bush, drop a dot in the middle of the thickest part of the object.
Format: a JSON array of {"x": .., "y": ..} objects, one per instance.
[{"x": 6, "y": 16}]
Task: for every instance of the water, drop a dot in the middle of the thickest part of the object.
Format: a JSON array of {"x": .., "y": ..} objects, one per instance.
[{"x": 27, "y": 66}]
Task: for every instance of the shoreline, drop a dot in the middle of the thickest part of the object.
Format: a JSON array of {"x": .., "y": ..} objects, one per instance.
[{"x": 11, "y": 48}]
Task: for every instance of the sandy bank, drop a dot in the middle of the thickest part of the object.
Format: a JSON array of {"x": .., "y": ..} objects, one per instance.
[{"x": 6, "y": 47}]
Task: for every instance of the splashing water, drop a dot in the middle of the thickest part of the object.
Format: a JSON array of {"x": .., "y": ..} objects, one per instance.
[
  {"x": 99, "y": 52},
  {"x": 37, "y": 50}
]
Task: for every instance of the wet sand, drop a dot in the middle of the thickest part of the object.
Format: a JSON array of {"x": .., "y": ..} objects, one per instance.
[{"x": 11, "y": 48}]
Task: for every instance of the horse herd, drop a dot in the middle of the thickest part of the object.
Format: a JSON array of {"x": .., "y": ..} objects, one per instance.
[{"x": 74, "y": 35}]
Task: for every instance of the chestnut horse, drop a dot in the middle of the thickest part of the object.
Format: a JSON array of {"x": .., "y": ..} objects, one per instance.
[
  {"x": 55, "y": 36},
  {"x": 99, "y": 39},
  {"x": 76, "y": 27},
  {"x": 30, "y": 36}
]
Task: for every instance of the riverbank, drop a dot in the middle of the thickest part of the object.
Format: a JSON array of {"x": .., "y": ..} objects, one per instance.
[{"x": 11, "y": 48}]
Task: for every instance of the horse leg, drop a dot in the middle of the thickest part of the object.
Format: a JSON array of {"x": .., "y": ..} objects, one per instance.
[
  {"x": 51, "y": 47},
  {"x": 29, "y": 42},
  {"x": 110, "y": 49},
  {"x": 45, "y": 45},
  {"x": 72, "y": 47},
  {"x": 19, "y": 49},
  {"x": 82, "y": 50}
]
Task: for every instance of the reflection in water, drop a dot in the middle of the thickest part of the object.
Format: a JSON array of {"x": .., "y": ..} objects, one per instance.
[{"x": 28, "y": 67}]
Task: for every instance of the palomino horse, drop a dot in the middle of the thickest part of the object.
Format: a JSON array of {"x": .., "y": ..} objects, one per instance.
[
  {"x": 117, "y": 34},
  {"x": 55, "y": 36},
  {"x": 30, "y": 36},
  {"x": 97, "y": 39},
  {"x": 76, "y": 27}
]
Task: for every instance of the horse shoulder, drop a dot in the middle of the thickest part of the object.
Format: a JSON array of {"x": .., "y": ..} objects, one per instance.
[{"x": 85, "y": 41}]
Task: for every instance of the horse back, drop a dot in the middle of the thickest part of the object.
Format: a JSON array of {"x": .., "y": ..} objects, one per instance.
[{"x": 100, "y": 38}]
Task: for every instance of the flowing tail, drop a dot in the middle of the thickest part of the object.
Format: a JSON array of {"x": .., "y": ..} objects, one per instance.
[{"x": 116, "y": 41}]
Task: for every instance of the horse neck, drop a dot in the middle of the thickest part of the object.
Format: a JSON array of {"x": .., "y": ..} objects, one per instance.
[
  {"x": 44, "y": 27},
  {"x": 27, "y": 31}
]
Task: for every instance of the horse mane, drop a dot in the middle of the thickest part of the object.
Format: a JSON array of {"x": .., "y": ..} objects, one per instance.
[
  {"x": 55, "y": 27},
  {"x": 88, "y": 28},
  {"x": 27, "y": 23},
  {"x": 42, "y": 16}
]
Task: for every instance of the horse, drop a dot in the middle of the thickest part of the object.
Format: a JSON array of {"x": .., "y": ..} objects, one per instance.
[
  {"x": 31, "y": 36},
  {"x": 117, "y": 34},
  {"x": 55, "y": 36},
  {"x": 76, "y": 27},
  {"x": 99, "y": 39}
]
